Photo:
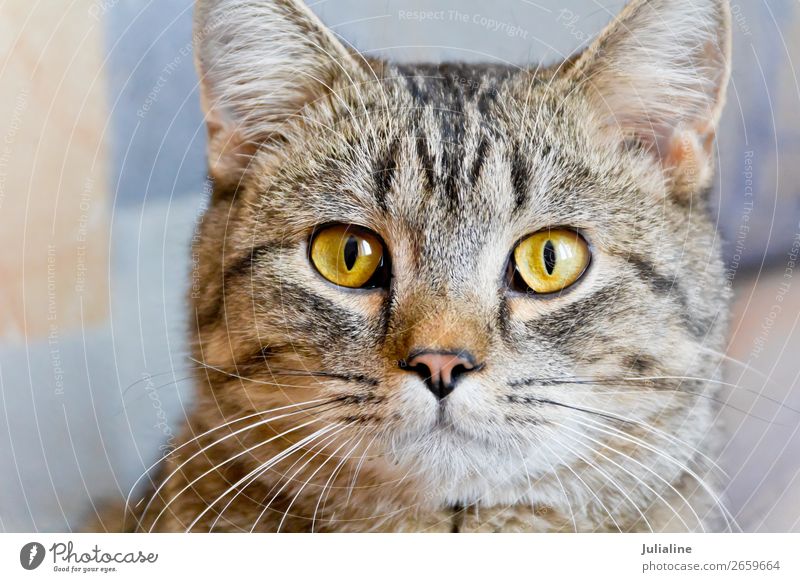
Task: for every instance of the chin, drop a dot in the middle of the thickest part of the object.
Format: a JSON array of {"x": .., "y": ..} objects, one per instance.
[{"x": 449, "y": 465}]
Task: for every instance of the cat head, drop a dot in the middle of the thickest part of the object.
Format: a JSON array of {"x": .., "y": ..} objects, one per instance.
[{"x": 493, "y": 272}]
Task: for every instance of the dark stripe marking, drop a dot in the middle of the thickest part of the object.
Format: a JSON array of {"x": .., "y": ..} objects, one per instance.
[
  {"x": 520, "y": 177},
  {"x": 426, "y": 162},
  {"x": 669, "y": 288},
  {"x": 480, "y": 158},
  {"x": 384, "y": 173},
  {"x": 244, "y": 265}
]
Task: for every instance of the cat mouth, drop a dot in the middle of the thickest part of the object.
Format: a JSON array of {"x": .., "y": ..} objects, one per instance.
[
  {"x": 444, "y": 417},
  {"x": 441, "y": 414},
  {"x": 446, "y": 426}
]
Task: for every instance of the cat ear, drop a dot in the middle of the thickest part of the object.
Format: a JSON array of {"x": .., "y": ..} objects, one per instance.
[
  {"x": 261, "y": 62},
  {"x": 657, "y": 77}
]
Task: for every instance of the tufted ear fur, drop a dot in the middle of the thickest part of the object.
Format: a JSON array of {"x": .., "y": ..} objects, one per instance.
[
  {"x": 657, "y": 76},
  {"x": 261, "y": 64}
]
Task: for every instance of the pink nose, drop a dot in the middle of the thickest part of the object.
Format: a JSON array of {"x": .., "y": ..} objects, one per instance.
[{"x": 441, "y": 370}]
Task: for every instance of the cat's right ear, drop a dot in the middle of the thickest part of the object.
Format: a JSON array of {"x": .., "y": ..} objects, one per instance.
[
  {"x": 261, "y": 64},
  {"x": 656, "y": 77}
]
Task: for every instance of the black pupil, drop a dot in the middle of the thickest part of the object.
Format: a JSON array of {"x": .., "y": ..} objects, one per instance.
[
  {"x": 350, "y": 252},
  {"x": 549, "y": 257}
]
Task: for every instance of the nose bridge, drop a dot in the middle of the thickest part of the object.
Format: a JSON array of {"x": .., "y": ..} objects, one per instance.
[{"x": 441, "y": 324}]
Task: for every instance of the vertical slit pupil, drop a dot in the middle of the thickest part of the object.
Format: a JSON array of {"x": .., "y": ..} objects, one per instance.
[
  {"x": 549, "y": 257},
  {"x": 350, "y": 252}
]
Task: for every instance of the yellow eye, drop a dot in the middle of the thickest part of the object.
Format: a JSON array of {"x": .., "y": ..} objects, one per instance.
[
  {"x": 349, "y": 256},
  {"x": 551, "y": 260}
]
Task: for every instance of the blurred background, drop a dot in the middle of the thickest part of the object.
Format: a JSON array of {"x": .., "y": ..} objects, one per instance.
[{"x": 102, "y": 181}]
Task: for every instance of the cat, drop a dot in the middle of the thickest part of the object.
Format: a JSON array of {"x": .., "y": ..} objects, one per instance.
[{"x": 454, "y": 297}]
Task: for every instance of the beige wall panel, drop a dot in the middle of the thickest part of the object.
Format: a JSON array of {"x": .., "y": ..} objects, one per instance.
[{"x": 53, "y": 169}]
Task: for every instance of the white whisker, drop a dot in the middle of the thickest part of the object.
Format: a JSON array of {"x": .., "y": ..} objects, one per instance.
[
  {"x": 317, "y": 470},
  {"x": 648, "y": 469},
  {"x": 260, "y": 469},
  {"x": 332, "y": 476},
  {"x": 586, "y": 485},
  {"x": 729, "y": 520},
  {"x": 206, "y": 433}
]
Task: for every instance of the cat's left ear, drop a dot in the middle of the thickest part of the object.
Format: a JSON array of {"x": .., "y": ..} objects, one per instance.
[{"x": 657, "y": 77}]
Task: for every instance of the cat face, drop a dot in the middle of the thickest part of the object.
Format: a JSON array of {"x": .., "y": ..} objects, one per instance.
[{"x": 495, "y": 274}]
